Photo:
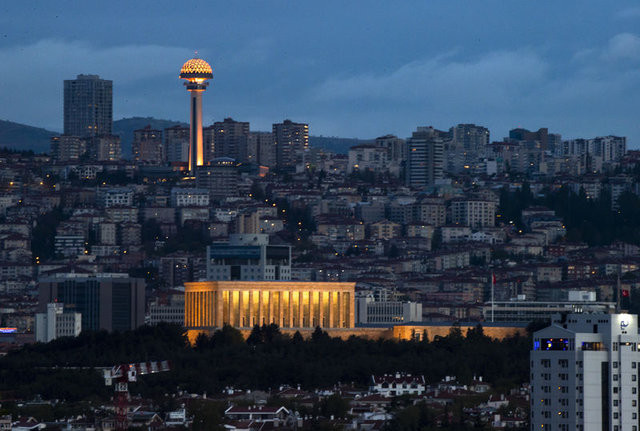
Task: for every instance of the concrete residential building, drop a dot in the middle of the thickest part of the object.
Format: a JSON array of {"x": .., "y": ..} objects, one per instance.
[
  {"x": 230, "y": 139},
  {"x": 367, "y": 157},
  {"x": 56, "y": 323},
  {"x": 425, "y": 157},
  {"x": 176, "y": 143},
  {"x": 189, "y": 197},
  {"x": 106, "y": 300},
  {"x": 104, "y": 148},
  {"x": 220, "y": 178},
  {"x": 475, "y": 213},
  {"x": 261, "y": 149},
  {"x": 88, "y": 106},
  {"x": 69, "y": 245},
  {"x": 290, "y": 139},
  {"x": 108, "y": 197},
  {"x": 470, "y": 137},
  {"x": 67, "y": 148},
  {"x": 248, "y": 257},
  {"x": 584, "y": 373},
  {"x": 147, "y": 146}
]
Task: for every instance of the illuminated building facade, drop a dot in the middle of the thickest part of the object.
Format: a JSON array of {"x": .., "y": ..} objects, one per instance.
[
  {"x": 196, "y": 72},
  {"x": 288, "y": 304}
]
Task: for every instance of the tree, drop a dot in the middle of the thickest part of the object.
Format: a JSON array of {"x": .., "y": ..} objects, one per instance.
[
  {"x": 207, "y": 415},
  {"x": 334, "y": 405},
  {"x": 227, "y": 336}
]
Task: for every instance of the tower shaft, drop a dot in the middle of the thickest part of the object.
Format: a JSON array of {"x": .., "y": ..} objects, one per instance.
[{"x": 196, "y": 149}]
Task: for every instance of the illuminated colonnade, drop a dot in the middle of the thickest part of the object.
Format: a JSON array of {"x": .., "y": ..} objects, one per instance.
[{"x": 288, "y": 304}]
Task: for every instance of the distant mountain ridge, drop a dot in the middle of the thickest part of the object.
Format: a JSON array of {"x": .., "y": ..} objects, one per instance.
[{"x": 23, "y": 137}]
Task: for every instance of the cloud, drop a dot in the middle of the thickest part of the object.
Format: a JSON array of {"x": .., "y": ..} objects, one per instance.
[
  {"x": 495, "y": 78},
  {"x": 623, "y": 46}
]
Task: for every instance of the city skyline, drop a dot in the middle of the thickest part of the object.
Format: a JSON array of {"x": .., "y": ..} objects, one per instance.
[{"x": 388, "y": 75}]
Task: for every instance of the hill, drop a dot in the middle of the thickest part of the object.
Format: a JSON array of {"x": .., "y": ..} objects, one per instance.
[
  {"x": 22, "y": 137},
  {"x": 125, "y": 127}
]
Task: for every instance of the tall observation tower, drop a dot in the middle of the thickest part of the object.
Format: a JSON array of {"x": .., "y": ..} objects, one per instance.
[{"x": 196, "y": 72}]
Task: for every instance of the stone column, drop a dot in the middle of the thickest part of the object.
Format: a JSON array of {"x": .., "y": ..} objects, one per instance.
[
  {"x": 300, "y": 310},
  {"x": 339, "y": 323},
  {"x": 321, "y": 308},
  {"x": 260, "y": 316},
  {"x": 270, "y": 309},
  {"x": 241, "y": 315},
  {"x": 219, "y": 305},
  {"x": 251, "y": 310}
]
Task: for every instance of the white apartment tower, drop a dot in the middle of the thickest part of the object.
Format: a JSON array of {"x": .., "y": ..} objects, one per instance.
[
  {"x": 584, "y": 373},
  {"x": 425, "y": 157}
]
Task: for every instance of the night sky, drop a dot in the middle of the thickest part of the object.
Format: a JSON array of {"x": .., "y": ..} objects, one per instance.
[{"x": 349, "y": 68}]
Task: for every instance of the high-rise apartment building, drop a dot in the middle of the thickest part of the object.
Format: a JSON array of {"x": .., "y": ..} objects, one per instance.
[
  {"x": 425, "y": 157},
  {"x": 230, "y": 139},
  {"x": 291, "y": 140},
  {"x": 541, "y": 136},
  {"x": 470, "y": 137},
  {"x": 147, "y": 146},
  {"x": 88, "y": 106},
  {"x": 396, "y": 147},
  {"x": 584, "y": 373},
  {"x": 176, "y": 143},
  {"x": 209, "y": 143},
  {"x": 261, "y": 149}
]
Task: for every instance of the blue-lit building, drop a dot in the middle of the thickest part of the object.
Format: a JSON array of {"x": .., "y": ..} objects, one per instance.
[{"x": 584, "y": 373}]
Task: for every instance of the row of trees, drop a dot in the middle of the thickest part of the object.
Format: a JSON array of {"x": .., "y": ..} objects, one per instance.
[{"x": 266, "y": 360}]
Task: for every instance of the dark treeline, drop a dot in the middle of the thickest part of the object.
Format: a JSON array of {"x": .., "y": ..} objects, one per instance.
[
  {"x": 589, "y": 220},
  {"x": 265, "y": 360}
]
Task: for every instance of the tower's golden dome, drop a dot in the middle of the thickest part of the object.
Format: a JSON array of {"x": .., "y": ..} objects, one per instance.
[{"x": 196, "y": 68}]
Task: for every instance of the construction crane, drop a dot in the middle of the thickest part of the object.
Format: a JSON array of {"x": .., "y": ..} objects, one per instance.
[{"x": 121, "y": 375}]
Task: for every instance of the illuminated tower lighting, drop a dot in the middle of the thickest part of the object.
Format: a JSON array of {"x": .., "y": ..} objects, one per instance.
[{"x": 196, "y": 72}]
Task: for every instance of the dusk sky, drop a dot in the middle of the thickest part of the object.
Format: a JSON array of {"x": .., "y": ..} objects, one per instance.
[{"x": 348, "y": 68}]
